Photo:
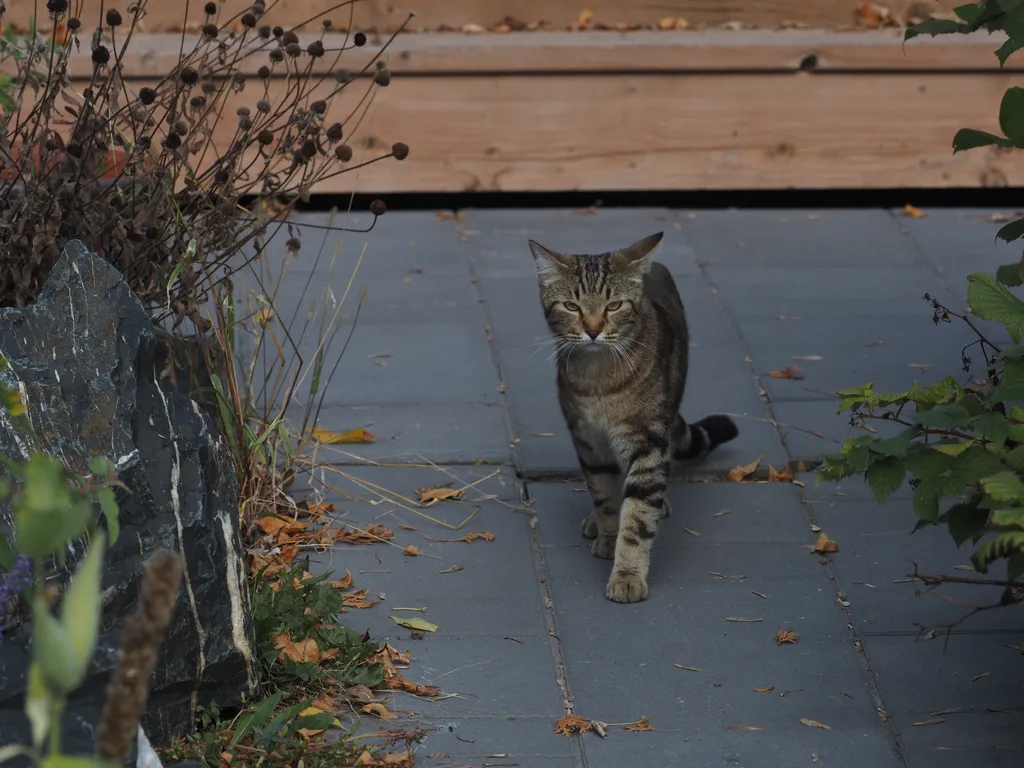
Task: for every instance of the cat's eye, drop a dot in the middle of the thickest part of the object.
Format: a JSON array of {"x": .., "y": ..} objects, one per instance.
[
  {"x": 572, "y": 306},
  {"x": 613, "y": 306}
]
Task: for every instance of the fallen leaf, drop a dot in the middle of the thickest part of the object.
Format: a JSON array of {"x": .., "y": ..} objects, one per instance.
[
  {"x": 372, "y": 534},
  {"x": 738, "y": 474},
  {"x": 453, "y": 569},
  {"x": 226, "y": 757},
  {"x": 571, "y": 725},
  {"x": 469, "y": 538},
  {"x": 952, "y": 711},
  {"x": 744, "y": 728},
  {"x": 786, "y": 636},
  {"x": 342, "y": 438},
  {"x": 789, "y": 372},
  {"x": 585, "y": 19},
  {"x": 411, "y": 551},
  {"x": 824, "y": 544},
  {"x": 792, "y": 690},
  {"x": 318, "y": 508},
  {"x": 399, "y": 683},
  {"x": 688, "y": 669},
  {"x": 308, "y": 732},
  {"x": 815, "y": 724},
  {"x": 978, "y": 677},
  {"x": 913, "y": 212},
  {"x": 934, "y": 721},
  {"x": 874, "y": 16},
  {"x": 643, "y": 724},
  {"x": 303, "y": 651},
  {"x": 731, "y": 577},
  {"x": 722, "y": 513},
  {"x": 673, "y": 22},
  {"x": 691, "y": 531},
  {"x": 357, "y": 599},
  {"x": 762, "y": 595},
  {"x": 378, "y": 709},
  {"x": 769, "y": 689},
  {"x": 272, "y": 525},
  {"x": 421, "y": 625},
  {"x": 785, "y": 476},
  {"x": 430, "y": 496},
  {"x": 808, "y": 357},
  {"x": 343, "y": 583},
  {"x": 742, "y": 620}
]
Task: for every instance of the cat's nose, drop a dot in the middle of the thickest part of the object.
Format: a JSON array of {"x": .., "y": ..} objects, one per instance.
[{"x": 592, "y": 327}]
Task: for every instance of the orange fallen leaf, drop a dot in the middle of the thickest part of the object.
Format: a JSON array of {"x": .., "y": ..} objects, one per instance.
[
  {"x": 738, "y": 474},
  {"x": 824, "y": 544},
  {"x": 369, "y": 535},
  {"x": 673, "y": 22},
  {"x": 469, "y": 538},
  {"x": 430, "y": 496},
  {"x": 585, "y": 19},
  {"x": 318, "y": 508},
  {"x": 303, "y": 651},
  {"x": 744, "y": 728},
  {"x": 411, "y": 551},
  {"x": 226, "y": 758},
  {"x": 272, "y": 525},
  {"x": 789, "y": 372},
  {"x": 310, "y": 732},
  {"x": 378, "y": 709},
  {"x": 769, "y": 689},
  {"x": 387, "y": 656},
  {"x": 785, "y": 476},
  {"x": 343, "y": 583},
  {"x": 815, "y": 724},
  {"x": 786, "y": 636},
  {"x": 913, "y": 212},
  {"x": 357, "y": 599},
  {"x": 327, "y": 437},
  {"x": 873, "y": 16},
  {"x": 643, "y": 724},
  {"x": 399, "y": 683},
  {"x": 572, "y": 724}
]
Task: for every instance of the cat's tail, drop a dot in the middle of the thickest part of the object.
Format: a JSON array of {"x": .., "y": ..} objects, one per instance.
[{"x": 694, "y": 441}]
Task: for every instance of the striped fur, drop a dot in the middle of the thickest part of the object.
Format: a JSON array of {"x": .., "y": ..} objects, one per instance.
[{"x": 622, "y": 348}]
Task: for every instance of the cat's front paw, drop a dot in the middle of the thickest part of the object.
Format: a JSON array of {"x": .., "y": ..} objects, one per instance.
[
  {"x": 603, "y": 547},
  {"x": 589, "y": 527},
  {"x": 626, "y": 588}
]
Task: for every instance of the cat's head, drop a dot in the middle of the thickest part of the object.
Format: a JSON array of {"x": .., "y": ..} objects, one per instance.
[{"x": 593, "y": 299}]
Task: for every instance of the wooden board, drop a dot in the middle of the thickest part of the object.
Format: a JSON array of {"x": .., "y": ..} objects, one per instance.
[
  {"x": 434, "y": 15},
  {"x": 616, "y": 132},
  {"x": 668, "y": 52}
]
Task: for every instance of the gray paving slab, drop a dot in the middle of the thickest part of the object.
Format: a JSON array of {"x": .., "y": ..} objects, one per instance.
[
  {"x": 415, "y": 433},
  {"x": 970, "y": 686},
  {"x": 785, "y": 239},
  {"x": 878, "y": 552},
  {"x": 515, "y": 741},
  {"x": 812, "y": 429}
]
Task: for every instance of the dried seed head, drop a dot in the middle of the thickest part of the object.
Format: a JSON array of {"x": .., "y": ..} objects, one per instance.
[
  {"x": 74, "y": 149},
  {"x": 221, "y": 176},
  {"x": 56, "y": 7},
  {"x": 343, "y": 152},
  {"x": 243, "y": 112},
  {"x": 264, "y": 72},
  {"x": 359, "y": 38},
  {"x": 181, "y": 128},
  {"x": 278, "y": 31},
  {"x": 294, "y": 50},
  {"x": 74, "y": 24},
  {"x": 289, "y": 37},
  {"x": 209, "y": 88},
  {"x": 100, "y": 55},
  {"x": 51, "y": 145},
  {"x": 142, "y": 143},
  {"x": 210, "y": 31},
  {"x": 152, "y": 233},
  {"x": 239, "y": 78},
  {"x": 248, "y": 20},
  {"x": 378, "y": 208},
  {"x": 259, "y": 7},
  {"x": 381, "y": 64},
  {"x": 308, "y": 148},
  {"x": 173, "y": 141},
  {"x": 245, "y": 122},
  {"x": 147, "y": 95},
  {"x": 293, "y": 244},
  {"x": 315, "y": 49},
  {"x": 382, "y": 77},
  {"x": 327, "y": 23},
  {"x": 263, "y": 106},
  {"x": 342, "y": 76},
  {"x": 276, "y": 56},
  {"x": 114, "y": 18},
  {"x": 188, "y": 76},
  {"x": 210, "y": 9},
  {"x": 264, "y": 32},
  {"x": 266, "y": 136},
  {"x": 334, "y": 132},
  {"x": 197, "y": 102},
  {"x": 318, "y": 107},
  {"x": 400, "y": 150}
]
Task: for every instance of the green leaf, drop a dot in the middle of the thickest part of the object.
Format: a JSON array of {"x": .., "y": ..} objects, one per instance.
[
  {"x": 80, "y": 609},
  {"x": 1015, "y": 458},
  {"x": 969, "y": 138},
  {"x": 101, "y": 467},
  {"x": 926, "y": 501},
  {"x": 1012, "y": 231},
  {"x": 1011, "y": 382},
  {"x": 415, "y": 622},
  {"x": 1003, "y": 487},
  {"x": 251, "y": 720},
  {"x": 1011, "y": 274},
  {"x": 966, "y": 521},
  {"x": 315, "y": 722},
  {"x": 993, "y": 426},
  {"x": 885, "y": 477},
  {"x": 1015, "y": 566},
  {"x": 1011, "y": 115},
  {"x": 1005, "y": 545},
  {"x": 892, "y": 446},
  {"x": 968, "y": 13},
  {"x": 948, "y": 389},
  {"x": 941, "y": 416},
  {"x": 37, "y": 704},
  {"x": 991, "y": 301},
  {"x": 111, "y": 512},
  {"x": 6, "y": 554},
  {"x": 52, "y": 648},
  {"x": 969, "y": 468},
  {"x": 934, "y": 27},
  {"x": 1012, "y": 517},
  {"x": 67, "y": 761}
]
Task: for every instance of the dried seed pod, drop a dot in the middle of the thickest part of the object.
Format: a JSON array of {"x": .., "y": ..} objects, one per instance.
[
  {"x": 264, "y": 32},
  {"x": 100, "y": 55},
  {"x": 263, "y": 106},
  {"x": 266, "y": 136},
  {"x": 210, "y": 31},
  {"x": 188, "y": 76},
  {"x": 318, "y": 107},
  {"x": 343, "y": 152},
  {"x": 113, "y": 17},
  {"x": 245, "y": 122},
  {"x": 263, "y": 72},
  {"x": 315, "y": 49},
  {"x": 382, "y": 77},
  {"x": 276, "y": 56},
  {"x": 57, "y": 7},
  {"x": 342, "y": 76},
  {"x": 294, "y": 50},
  {"x": 400, "y": 150},
  {"x": 334, "y": 132},
  {"x": 147, "y": 95},
  {"x": 181, "y": 128},
  {"x": 309, "y": 148},
  {"x": 173, "y": 141},
  {"x": 243, "y": 111},
  {"x": 248, "y": 20},
  {"x": 210, "y": 9},
  {"x": 74, "y": 24},
  {"x": 293, "y": 244},
  {"x": 359, "y": 39},
  {"x": 327, "y": 23},
  {"x": 378, "y": 208}
]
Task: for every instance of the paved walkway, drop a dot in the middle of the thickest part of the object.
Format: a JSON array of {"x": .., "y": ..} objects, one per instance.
[{"x": 445, "y": 370}]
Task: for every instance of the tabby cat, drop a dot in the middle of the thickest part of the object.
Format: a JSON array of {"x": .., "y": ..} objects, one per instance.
[{"x": 622, "y": 351}]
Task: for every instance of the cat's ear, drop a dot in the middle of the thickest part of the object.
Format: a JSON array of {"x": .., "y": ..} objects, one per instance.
[
  {"x": 550, "y": 264},
  {"x": 635, "y": 258}
]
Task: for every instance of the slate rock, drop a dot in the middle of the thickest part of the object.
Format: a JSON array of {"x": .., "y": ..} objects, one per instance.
[{"x": 90, "y": 361}]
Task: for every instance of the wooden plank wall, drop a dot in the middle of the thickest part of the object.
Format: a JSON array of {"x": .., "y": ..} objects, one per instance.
[{"x": 675, "y": 110}]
